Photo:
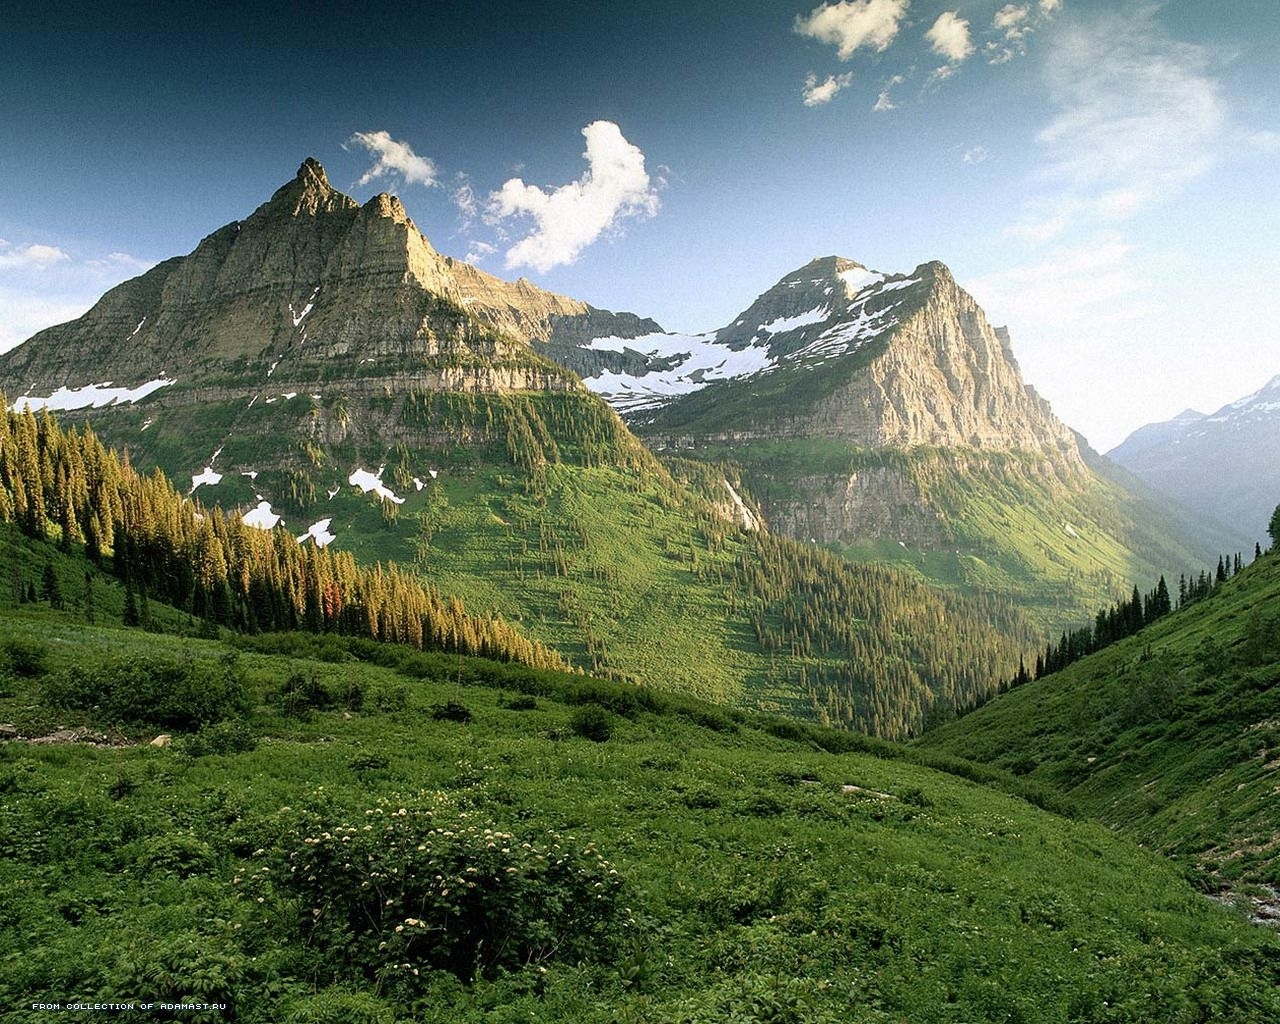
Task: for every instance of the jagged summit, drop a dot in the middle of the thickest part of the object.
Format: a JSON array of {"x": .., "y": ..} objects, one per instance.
[{"x": 309, "y": 281}]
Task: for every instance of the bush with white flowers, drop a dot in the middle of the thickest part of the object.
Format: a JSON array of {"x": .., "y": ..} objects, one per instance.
[{"x": 407, "y": 887}]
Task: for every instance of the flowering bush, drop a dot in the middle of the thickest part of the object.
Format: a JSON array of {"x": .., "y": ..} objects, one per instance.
[{"x": 405, "y": 888}]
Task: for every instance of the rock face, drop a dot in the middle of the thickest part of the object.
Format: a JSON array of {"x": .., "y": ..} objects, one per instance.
[
  {"x": 311, "y": 284},
  {"x": 1224, "y": 466}
]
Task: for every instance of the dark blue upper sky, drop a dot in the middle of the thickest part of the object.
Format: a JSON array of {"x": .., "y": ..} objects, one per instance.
[{"x": 1101, "y": 175}]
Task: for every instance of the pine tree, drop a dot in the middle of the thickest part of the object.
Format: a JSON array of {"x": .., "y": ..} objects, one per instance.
[{"x": 49, "y": 588}]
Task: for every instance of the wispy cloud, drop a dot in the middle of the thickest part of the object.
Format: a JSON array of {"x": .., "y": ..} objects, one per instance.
[
  {"x": 395, "y": 160},
  {"x": 42, "y": 285},
  {"x": 614, "y": 187},
  {"x": 1138, "y": 115},
  {"x": 974, "y": 155},
  {"x": 851, "y": 25},
  {"x": 817, "y": 93},
  {"x": 884, "y": 101},
  {"x": 1093, "y": 282}
]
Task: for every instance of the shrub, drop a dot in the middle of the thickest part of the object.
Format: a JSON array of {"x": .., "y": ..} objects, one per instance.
[
  {"x": 592, "y": 722},
  {"x": 399, "y": 891},
  {"x": 155, "y": 690},
  {"x": 25, "y": 656},
  {"x": 451, "y": 712},
  {"x": 303, "y": 693}
]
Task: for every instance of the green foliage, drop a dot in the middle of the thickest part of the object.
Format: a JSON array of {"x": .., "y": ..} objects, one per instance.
[
  {"x": 774, "y": 869},
  {"x": 1169, "y": 736},
  {"x": 592, "y": 722},
  {"x": 399, "y": 891},
  {"x": 153, "y": 689},
  {"x": 25, "y": 656}
]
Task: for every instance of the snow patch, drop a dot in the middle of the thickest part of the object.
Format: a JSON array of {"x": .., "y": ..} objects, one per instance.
[
  {"x": 252, "y": 474},
  {"x": 91, "y": 396},
  {"x": 138, "y": 328},
  {"x": 745, "y": 515},
  {"x": 701, "y": 362},
  {"x": 319, "y": 532},
  {"x": 790, "y": 323},
  {"x": 367, "y": 482},
  {"x": 297, "y": 318},
  {"x": 262, "y": 517},
  {"x": 857, "y": 278},
  {"x": 206, "y": 477}
]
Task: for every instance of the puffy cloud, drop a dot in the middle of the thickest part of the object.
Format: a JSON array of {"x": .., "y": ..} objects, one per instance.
[
  {"x": 817, "y": 93},
  {"x": 29, "y": 257},
  {"x": 1050, "y": 7},
  {"x": 394, "y": 158},
  {"x": 851, "y": 25},
  {"x": 884, "y": 101},
  {"x": 950, "y": 38},
  {"x": 615, "y": 186},
  {"x": 1012, "y": 20}
]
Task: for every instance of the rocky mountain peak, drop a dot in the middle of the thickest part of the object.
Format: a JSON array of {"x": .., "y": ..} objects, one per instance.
[{"x": 308, "y": 194}]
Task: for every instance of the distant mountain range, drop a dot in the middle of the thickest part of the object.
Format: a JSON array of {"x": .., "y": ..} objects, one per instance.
[{"x": 1226, "y": 466}]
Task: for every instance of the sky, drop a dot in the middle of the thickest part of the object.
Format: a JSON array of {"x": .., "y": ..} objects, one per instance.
[{"x": 1102, "y": 175}]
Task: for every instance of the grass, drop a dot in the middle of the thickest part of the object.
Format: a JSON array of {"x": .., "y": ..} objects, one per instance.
[
  {"x": 1172, "y": 736},
  {"x": 769, "y": 870}
]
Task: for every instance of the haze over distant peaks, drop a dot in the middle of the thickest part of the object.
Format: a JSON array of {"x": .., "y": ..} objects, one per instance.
[{"x": 1222, "y": 465}]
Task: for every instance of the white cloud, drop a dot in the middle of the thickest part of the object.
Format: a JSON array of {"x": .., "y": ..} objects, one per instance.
[
  {"x": 850, "y": 25},
  {"x": 394, "y": 158},
  {"x": 29, "y": 257},
  {"x": 615, "y": 186},
  {"x": 1050, "y": 7},
  {"x": 884, "y": 101},
  {"x": 26, "y": 312},
  {"x": 974, "y": 155},
  {"x": 1011, "y": 20},
  {"x": 1090, "y": 283},
  {"x": 117, "y": 261},
  {"x": 1138, "y": 116},
  {"x": 817, "y": 93},
  {"x": 949, "y": 37},
  {"x": 479, "y": 251}
]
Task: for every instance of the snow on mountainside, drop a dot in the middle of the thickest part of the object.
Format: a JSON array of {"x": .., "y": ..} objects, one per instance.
[
  {"x": 826, "y": 309},
  {"x": 1222, "y": 465}
]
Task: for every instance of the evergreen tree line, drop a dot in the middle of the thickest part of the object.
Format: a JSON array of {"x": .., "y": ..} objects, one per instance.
[
  {"x": 66, "y": 487},
  {"x": 872, "y": 648},
  {"x": 1126, "y": 618}
]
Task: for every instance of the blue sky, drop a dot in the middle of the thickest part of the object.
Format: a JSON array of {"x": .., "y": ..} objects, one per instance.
[{"x": 1101, "y": 175}]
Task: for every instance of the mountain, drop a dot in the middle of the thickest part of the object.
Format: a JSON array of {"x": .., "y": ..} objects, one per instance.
[
  {"x": 312, "y": 286},
  {"x": 1169, "y": 737},
  {"x": 882, "y": 415},
  {"x": 318, "y": 366},
  {"x": 1223, "y": 466}
]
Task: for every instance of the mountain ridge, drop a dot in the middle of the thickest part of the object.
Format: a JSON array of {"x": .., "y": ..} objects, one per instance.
[{"x": 1221, "y": 465}]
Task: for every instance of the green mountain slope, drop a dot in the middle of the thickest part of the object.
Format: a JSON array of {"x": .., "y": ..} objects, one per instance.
[
  {"x": 374, "y": 834},
  {"x": 1171, "y": 737}
]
